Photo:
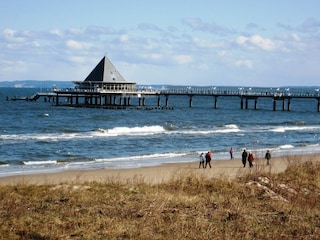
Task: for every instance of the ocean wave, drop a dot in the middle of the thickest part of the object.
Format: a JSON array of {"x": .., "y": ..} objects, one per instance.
[
  {"x": 170, "y": 127},
  {"x": 298, "y": 123},
  {"x": 141, "y": 157},
  {"x": 231, "y": 128},
  {"x": 99, "y": 132},
  {"x": 38, "y": 137},
  {"x": 304, "y": 128}
]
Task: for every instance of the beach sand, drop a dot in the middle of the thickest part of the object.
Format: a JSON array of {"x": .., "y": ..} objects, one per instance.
[{"x": 227, "y": 169}]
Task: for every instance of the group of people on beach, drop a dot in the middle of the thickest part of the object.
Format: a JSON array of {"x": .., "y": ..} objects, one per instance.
[
  {"x": 205, "y": 159},
  {"x": 249, "y": 156}
]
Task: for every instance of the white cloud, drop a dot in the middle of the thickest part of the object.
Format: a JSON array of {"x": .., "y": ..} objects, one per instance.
[
  {"x": 124, "y": 38},
  {"x": 77, "y": 59},
  {"x": 12, "y": 66},
  {"x": 149, "y": 27},
  {"x": 156, "y": 56},
  {"x": 56, "y": 32},
  {"x": 182, "y": 59},
  {"x": 152, "y": 56},
  {"x": 12, "y": 35},
  {"x": 198, "y": 24},
  {"x": 77, "y": 45},
  {"x": 256, "y": 41},
  {"x": 222, "y": 53},
  {"x": 246, "y": 63},
  {"x": 205, "y": 43},
  {"x": 36, "y": 44}
]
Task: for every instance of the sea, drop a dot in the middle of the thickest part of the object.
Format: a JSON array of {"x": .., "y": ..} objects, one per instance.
[{"x": 39, "y": 137}]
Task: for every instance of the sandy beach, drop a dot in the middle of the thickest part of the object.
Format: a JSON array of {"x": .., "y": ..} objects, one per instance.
[{"x": 220, "y": 169}]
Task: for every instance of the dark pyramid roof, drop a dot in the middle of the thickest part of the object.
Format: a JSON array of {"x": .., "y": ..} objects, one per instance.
[
  {"x": 96, "y": 74},
  {"x": 105, "y": 71}
]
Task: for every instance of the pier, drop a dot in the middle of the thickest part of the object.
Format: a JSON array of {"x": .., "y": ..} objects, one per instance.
[
  {"x": 122, "y": 99},
  {"x": 105, "y": 87}
]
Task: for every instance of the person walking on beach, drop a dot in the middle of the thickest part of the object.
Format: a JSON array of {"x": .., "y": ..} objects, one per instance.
[
  {"x": 244, "y": 157},
  {"x": 201, "y": 163},
  {"x": 268, "y": 157},
  {"x": 208, "y": 159},
  {"x": 250, "y": 159},
  {"x": 231, "y": 153}
]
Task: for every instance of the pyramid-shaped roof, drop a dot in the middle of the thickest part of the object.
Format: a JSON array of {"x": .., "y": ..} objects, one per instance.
[{"x": 106, "y": 72}]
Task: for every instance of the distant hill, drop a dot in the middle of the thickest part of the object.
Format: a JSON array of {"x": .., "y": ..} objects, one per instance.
[{"x": 37, "y": 84}]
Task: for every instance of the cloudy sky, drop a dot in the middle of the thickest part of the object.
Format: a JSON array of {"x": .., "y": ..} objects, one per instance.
[{"x": 178, "y": 42}]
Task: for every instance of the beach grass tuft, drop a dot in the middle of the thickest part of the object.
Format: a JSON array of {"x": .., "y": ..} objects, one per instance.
[{"x": 258, "y": 205}]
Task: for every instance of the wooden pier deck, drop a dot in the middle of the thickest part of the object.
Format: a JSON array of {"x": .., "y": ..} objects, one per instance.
[{"x": 122, "y": 99}]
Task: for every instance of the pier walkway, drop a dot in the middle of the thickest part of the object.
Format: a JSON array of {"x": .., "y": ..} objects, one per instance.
[
  {"x": 120, "y": 99},
  {"x": 285, "y": 95}
]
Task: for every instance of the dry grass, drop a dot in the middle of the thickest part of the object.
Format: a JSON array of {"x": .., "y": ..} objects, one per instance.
[{"x": 259, "y": 205}]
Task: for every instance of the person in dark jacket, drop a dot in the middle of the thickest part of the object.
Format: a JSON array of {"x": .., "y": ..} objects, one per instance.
[
  {"x": 244, "y": 157},
  {"x": 268, "y": 157},
  {"x": 208, "y": 159},
  {"x": 250, "y": 159}
]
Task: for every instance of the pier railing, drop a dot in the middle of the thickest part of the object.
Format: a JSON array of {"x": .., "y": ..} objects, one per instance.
[{"x": 241, "y": 91}]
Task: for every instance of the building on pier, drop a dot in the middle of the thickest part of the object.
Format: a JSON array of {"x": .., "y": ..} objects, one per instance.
[
  {"x": 104, "y": 87},
  {"x": 105, "y": 77}
]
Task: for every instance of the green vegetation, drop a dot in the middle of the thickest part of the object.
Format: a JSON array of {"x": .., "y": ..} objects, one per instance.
[{"x": 255, "y": 206}]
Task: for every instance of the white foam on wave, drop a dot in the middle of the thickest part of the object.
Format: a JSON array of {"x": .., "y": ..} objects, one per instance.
[
  {"x": 294, "y": 128},
  {"x": 40, "y": 162},
  {"x": 231, "y": 128},
  {"x": 118, "y": 131},
  {"x": 146, "y": 130},
  {"x": 39, "y": 137},
  {"x": 286, "y": 146}
]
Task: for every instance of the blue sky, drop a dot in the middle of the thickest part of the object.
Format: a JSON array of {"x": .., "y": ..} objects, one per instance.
[{"x": 203, "y": 43}]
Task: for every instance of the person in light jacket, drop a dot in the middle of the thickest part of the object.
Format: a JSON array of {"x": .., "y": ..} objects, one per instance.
[{"x": 201, "y": 163}]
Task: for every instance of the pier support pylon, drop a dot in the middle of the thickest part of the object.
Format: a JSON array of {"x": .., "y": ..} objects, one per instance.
[
  {"x": 190, "y": 101},
  {"x": 215, "y": 102}
]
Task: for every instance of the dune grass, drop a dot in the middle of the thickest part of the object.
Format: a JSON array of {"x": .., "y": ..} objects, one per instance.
[{"x": 259, "y": 205}]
